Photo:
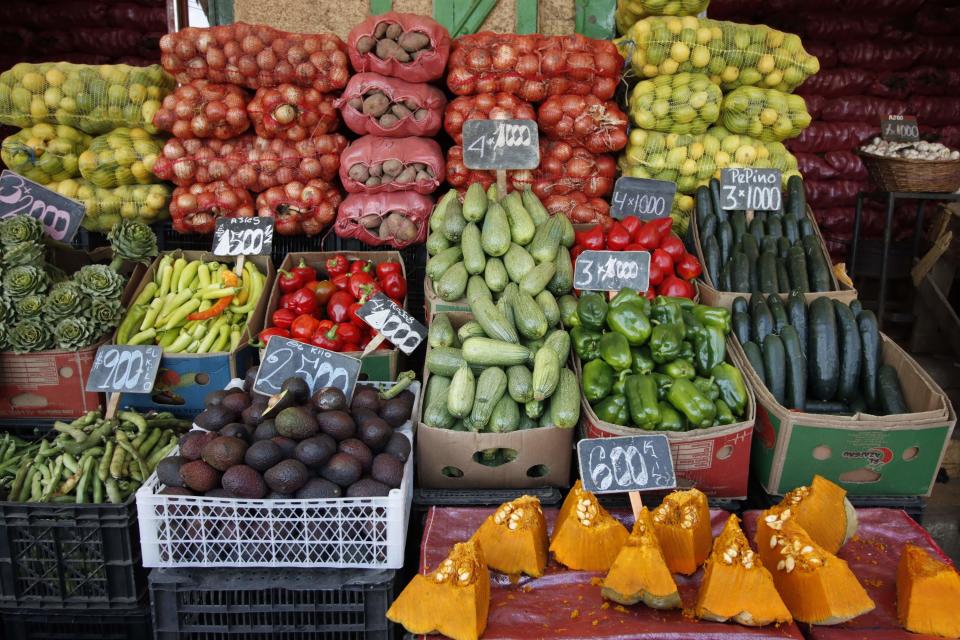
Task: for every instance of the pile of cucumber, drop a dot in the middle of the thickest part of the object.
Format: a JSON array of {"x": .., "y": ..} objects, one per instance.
[
  {"x": 497, "y": 240},
  {"x": 822, "y": 358},
  {"x": 766, "y": 251}
]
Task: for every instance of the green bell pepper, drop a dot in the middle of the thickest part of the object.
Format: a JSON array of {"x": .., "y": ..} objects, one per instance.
[
  {"x": 733, "y": 391},
  {"x": 664, "y": 382},
  {"x": 678, "y": 368},
  {"x": 568, "y": 311},
  {"x": 710, "y": 349},
  {"x": 626, "y": 316},
  {"x": 642, "y": 360},
  {"x": 698, "y": 408},
  {"x": 716, "y": 317},
  {"x": 613, "y": 409},
  {"x": 707, "y": 387},
  {"x": 597, "y": 380},
  {"x": 615, "y": 350},
  {"x": 724, "y": 415},
  {"x": 620, "y": 381},
  {"x": 670, "y": 418},
  {"x": 641, "y": 392},
  {"x": 629, "y": 296},
  {"x": 665, "y": 341},
  {"x": 686, "y": 350},
  {"x": 586, "y": 343},
  {"x": 592, "y": 311},
  {"x": 666, "y": 310}
]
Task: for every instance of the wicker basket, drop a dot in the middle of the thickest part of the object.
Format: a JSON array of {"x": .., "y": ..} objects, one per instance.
[{"x": 901, "y": 174}]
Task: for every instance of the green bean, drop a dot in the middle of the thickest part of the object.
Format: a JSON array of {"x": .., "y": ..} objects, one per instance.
[
  {"x": 113, "y": 491},
  {"x": 116, "y": 462},
  {"x": 103, "y": 469},
  {"x": 150, "y": 442}
]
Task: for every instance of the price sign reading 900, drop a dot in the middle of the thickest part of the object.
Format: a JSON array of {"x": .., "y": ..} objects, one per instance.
[
  {"x": 755, "y": 189},
  {"x": 124, "y": 369},
  {"x": 501, "y": 144}
]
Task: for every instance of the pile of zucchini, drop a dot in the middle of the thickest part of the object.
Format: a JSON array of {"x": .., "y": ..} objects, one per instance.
[
  {"x": 822, "y": 358},
  {"x": 765, "y": 251},
  {"x": 497, "y": 240}
]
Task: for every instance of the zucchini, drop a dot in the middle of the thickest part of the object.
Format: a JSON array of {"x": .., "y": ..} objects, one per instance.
[
  {"x": 889, "y": 391},
  {"x": 796, "y": 205},
  {"x": 533, "y": 409},
  {"x": 440, "y": 263},
  {"x": 474, "y": 259},
  {"x": 870, "y": 364},
  {"x": 783, "y": 276},
  {"x": 823, "y": 362},
  {"x": 517, "y": 262},
  {"x": 775, "y": 367},
  {"x": 521, "y": 224},
  {"x": 506, "y": 415},
  {"x": 851, "y": 352},
  {"x": 856, "y": 307},
  {"x": 797, "y": 266},
  {"x": 546, "y": 373},
  {"x": 536, "y": 279},
  {"x": 750, "y": 247},
  {"x": 452, "y": 284},
  {"x": 725, "y": 235},
  {"x": 495, "y": 235},
  {"x": 505, "y": 307},
  {"x": 806, "y": 228},
  {"x": 740, "y": 304},
  {"x": 756, "y": 228},
  {"x": 755, "y": 358},
  {"x": 711, "y": 258},
  {"x": 708, "y": 229},
  {"x": 763, "y": 323},
  {"x": 495, "y": 275},
  {"x": 436, "y": 243},
  {"x": 559, "y": 341},
  {"x": 779, "y": 312},
  {"x": 441, "y": 333},
  {"x": 520, "y": 383},
  {"x": 470, "y": 329},
  {"x": 740, "y": 322},
  {"x": 436, "y": 388},
  {"x": 538, "y": 212},
  {"x": 739, "y": 273},
  {"x": 454, "y": 223},
  {"x": 491, "y": 385},
  {"x": 828, "y": 407},
  {"x": 562, "y": 280},
  {"x": 494, "y": 323},
  {"x": 474, "y": 203},
  {"x": 446, "y": 202},
  {"x": 460, "y": 393},
  {"x": 774, "y": 229},
  {"x": 791, "y": 230},
  {"x": 546, "y": 241},
  {"x": 718, "y": 211},
  {"x": 797, "y": 316},
  {"x": 738, "y": 223},
  {"x": 564, "y": 407},
  {"x": 436, "y": 415},
  {"x": 769, "y": 243},
  {"x": 783, "y": 247},
  {"x": 477, "y": 288},
  {"x": 530, "y": 321},
  {"x": 767, "y": 272},
  {"x": 702, "y": 203},
  {"x": 548, "y": 304},
  {"x": 489, "y": 352},
  {"x": 444, "y": 361},
  {"x": 796, "y": 379},
  {"x": 568, "y": 235}
]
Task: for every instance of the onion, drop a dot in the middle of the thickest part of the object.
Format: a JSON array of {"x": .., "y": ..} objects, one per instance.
[
  {"x": 184, "y": 168},
  {"x": 246, "y": 176},
  {"x": 215, "y": 110},
  {"x": 247, "y": 65},
  {"x": 184, "y": 48},
  {"x": 285, "y": 113},
  {"x": 528, "y": 65},
  {"x": 511, "y": 83},
  {"x": 167, "y": 43},
  {"x": 296, "y": 132},
  {"x": 504, "y": 57},
  {"x": 478, "y": 59},
  {"x": 551, "y": 62},
  {"x": 550, "y": 112},
  {"x": 266, "y": 59},
  {"x": 580, "y": 66},
  {"x": 579, "y": 167},
  {"x": 297, "y": 54},
  {"x": 486, "y": 101},
  {"x": 216, "y": 59},
  {"x": 251, "y": 44},
  {"x": 337, "y": 76},
  {"x": 237, "y": 118},
  {"x": 461, "y": 81},
  {"x": 180, "y": 128},
  {"x": 197, "y": 68},
  {"x": 310, "y": 168},
  {"x": 173, "y": 149},
  {"x": 232, "y": 49},
  {"x": 187, "y": 201},
  {"x": 485, "y": 84}
]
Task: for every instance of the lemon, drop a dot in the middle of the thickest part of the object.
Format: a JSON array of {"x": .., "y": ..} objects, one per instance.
[
  {"x": 638, "y": 58},
  {"x": 33, "y": 82},
  {"x": 746, "y": 155},
  {"x": 730, "y": 74},
  {"x": 773, "y": 79},
  {"x": 669, "y": 67},
  {"x": 645, "y": 120},
  {"x": 768, "y": 116},
  {"x": 679, "y": 52},
  {"x": 137, "y": 93},
  {"x": 775, "y": 38},
  {"x": 650, "y": 71},
  {"x": 700, "y": 57},
  {"x": 704, "y": 35},
  {"x": 688, "y": 167},
  {"x": 674, "y": 26}
]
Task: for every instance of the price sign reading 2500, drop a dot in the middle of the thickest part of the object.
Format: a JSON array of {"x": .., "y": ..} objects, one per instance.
[
  {"x": 501, "y": 144},
  {"x": 285, "y": 358}
]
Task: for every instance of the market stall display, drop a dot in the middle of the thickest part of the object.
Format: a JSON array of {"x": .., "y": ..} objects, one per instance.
[
  {"x": 384, "y": 106},
  {"x": 202, "y": 109},
  {"x": 45, "y": 153}
]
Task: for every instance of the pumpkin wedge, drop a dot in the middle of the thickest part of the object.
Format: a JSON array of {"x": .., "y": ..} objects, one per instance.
[
  {"x": 639, "y": 573},
  {"x": 823, "y": 510},
  {"x": 514, "y": 538},
  {"x": 453, "y": 600},
  {"x": 736, "y": 585},
  {"x": 817, "y": 586},
  {"x": 928, "y": 594},
  {"x": 682, "y": 523},
  {"x": 586, "y": 537}
]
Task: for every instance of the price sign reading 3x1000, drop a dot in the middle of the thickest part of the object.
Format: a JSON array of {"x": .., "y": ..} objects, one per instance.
[
  {"x": 756, "y": 189},
  {"x": 124, "y": 369},
  {"x": 243, "y": 237},
  {"x": 612, "y": 270},
  {"x": 501, "y": 144}
]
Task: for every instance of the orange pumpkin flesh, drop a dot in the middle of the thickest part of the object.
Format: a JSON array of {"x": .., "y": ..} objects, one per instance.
[
  {"x": 736, "y": 584},
  {"x": 824, "y": 512},
  {"x": 817, "y": 586},
  {"x": 928, "y": 594},
  {"x": 453, "y": 600},
  {"x": 586, "y": 537},
  {"x": 639, "y": 573},
  {"x": 514, "y": 538},
  {"x": 682, "y": 523}
]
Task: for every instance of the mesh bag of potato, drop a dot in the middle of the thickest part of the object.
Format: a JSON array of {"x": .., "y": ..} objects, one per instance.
[
  {"x": 45, "y": 153},
  {"x": 630, "y": 11},
  {"x": 766, "y": 114},
  {"x": 375, "y": 165},
  {"x": 402, "y": 45},
  {"x": 91, "y": 98},
  {"x": 381, "y": 106},
  {"x": 105, "y": 207},
  {"x": 122, "y": 157},
  {"x": 731, "y": 54},
  {"x": 398, "y": 219},
  {"x": 679, "y": 103}
]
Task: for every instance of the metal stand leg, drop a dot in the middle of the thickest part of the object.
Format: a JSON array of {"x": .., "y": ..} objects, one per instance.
[
  {"x": 855, "y": 243},
  {"x": 918, "y": 229},
  {"x": 887, "y": 236}
]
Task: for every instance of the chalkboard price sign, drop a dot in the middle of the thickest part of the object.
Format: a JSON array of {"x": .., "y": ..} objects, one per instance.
[
  {"x": 631, "y": 463},
  {"x": 756, "y": 189},
  {"x": 641, "y": 197},
  {"x": 124, "y": 369},
  {"x": 285, "y": 358},
  {"x": 501, "y": 144},
  {"x": 243, "y": 237},
  {"x": 60, "y": 216},
  {"x": 900, "y": 129},
  {"x": 396, "y": 325},
  {"x": 612, "y": 270}
]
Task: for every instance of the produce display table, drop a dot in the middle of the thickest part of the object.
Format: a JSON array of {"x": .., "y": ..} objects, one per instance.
[{"x": 567, "y": 604}]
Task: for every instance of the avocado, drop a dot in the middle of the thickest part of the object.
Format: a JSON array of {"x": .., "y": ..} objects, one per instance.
[
  {"x": 318, "y": 489},
  {"x": 366, "y": 397},
  {"x": 367, "y": 488},
  {"x": 168, "y": 471},
  {"x": 296, "y": 423},
  {"x": 238, "y": 430},
  {"x": 387, "y": 469},
  {"x": 176, "y": 491},
  {"x": 399, "y": 446},
  {"x": 407, "y": 396},
  {"x": 342, "y": 469},
  {"x": 395, "y": 411},
  {"x": 215, "y": 418},
  {"x": 338, "y": 424},
  {"x": 249, "y": 378},
  {"x": 224, "y": 452},
  {"x": 329, "y": 399},
  {"x": 362, "y": 415},
  {"x": 375, "y": 433},
  {"x": 265, "y": 430},
  {"x": 220, "y": 492},
  {"x": 278, "y": 402},
  {"x": 244, "y": 482},
  {"x": 200, "y": 476},
  {"x": 263, "y": 454},
  {"x": 316, "y": 450},
  {"x": 254, "y": 414},
  {"x": 236, "y": 402},
  {"x": 298, "y": 387},
  {"x": 286, "y": 445},
  {"x": 193, "y": 442},
  {"x": 214, "y": 397},
  {"x": 276, "y": 495},
  {"x": 287, "y": 476},
  {"x": 359, "y": 451}
]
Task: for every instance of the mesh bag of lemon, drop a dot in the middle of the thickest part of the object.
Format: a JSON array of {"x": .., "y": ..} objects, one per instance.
[
  {"x": 45, "y": 153},
  {"x": 766, "y": 114},
  {"x": 122, "y": 157},
  {"x": 105, "y": 207},
  {"x": 732, "y": 54},
  {"x": 629, "y": 11},
  {"x": 679, "y": 103},
  {"x": 92, "y": 98}
]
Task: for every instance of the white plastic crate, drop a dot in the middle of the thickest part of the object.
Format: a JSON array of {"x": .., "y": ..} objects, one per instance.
[{"x": 197, "y": 531}]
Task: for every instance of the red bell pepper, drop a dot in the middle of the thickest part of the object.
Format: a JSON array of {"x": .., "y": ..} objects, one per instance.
[
  {"x": 283, "y": 318},
  {"x": 337, "y": 265},
  {"x": 286, "y": 301},
  {"x": 648, "y": 236},
  {"x": 633, "y": 246},
  {"x": 675, "y": 287},
  {"x": 688, "y": 267},
  {"x": 650, "y": 294},
  {"x": 664, "y": 261},
  {"x": 338, "y": 307},
  {"x": 576, "y": 251},
  {"x": 673, "y": 245},
  {"x": 395, "y": 286},
  {"x": 352, "y": 314},
  {"x": 322, "y": 290},
  {"x": 362, "y": 266},
  {"x": 308, "y": 273},
  {"x": 362, "y": 285},
  {"x": 656, "y": 273},
  {"x": 385, "y": 268},
  {"x": 347, "y": 347},
  {"x": 617, "y": 237},
  {"x": 303, "y": 301},
  {"x": 631, "y": 224},
  {"x": 663, "y": 226},
  {"x": 303, "y": 327},
  {"x": 327, "y": 336},
  {"x": 349, "y": 332},
  {"x": 592, "y": 238},
  {"x": 266, "y": 334},
  {"x": 290, "y": 281}
]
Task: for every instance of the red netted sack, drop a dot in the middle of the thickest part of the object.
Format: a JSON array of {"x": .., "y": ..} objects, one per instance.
[
  {"x": 579, "y": 208},
  {"x": 201, "y": 109},
  {"x": 814, "y": 167},
  {"x": 255, "y": 56},
  {"x": 832, "y": 136},
  {"x": 567, "y": 168},
  {"x": 398, "y": 219},
  {"x": 938, "y": 51},
  {"x": 249, "y": 161},
  {"x": 834, "y": 193},
  {"x": 814, "y": 105},
  {"x": 460, "y": 177},
  {"x": 838, "y": 82},
  {"x": 881, "y": 55},
  {"x": 599, "y": 126},
  {"x": 533, "y": 66},
  {"x": 376, "y": 105},
  {"x": 402, "y": 45},
  {"x": 847, "y": 164},
  {"x": 950, "y": 136},
  {"x": 292, "y": 113},
  {"x": 375, "y": 165},
  {"x": 862, "y": 109},
  {"x": 825, "y": 52},
  {"x": 936, "y": 112},
  {"x": 300, "y": 208},
  {"x": 484, "y": 106},
  {"x": 195, "y": 209}
]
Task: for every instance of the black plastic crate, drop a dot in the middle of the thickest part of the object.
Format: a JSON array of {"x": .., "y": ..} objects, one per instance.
[
  {"x": 271, "y": 604},
  {"x": 76, "y": 625},
  {"x": 63, "y": 556},
  {"x": 425, "y": 498}
]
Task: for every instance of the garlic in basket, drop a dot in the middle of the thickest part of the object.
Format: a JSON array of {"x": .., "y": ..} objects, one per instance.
[{"x": 921, "y": 150}]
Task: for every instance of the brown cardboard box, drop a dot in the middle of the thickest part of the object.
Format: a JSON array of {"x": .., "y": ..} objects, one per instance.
[{"x": 433, "y": 304}]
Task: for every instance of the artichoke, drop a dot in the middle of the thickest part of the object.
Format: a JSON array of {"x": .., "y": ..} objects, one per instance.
[
  {"x": 29, "y": 335},
  {"x": 3, "y": 337},
  {"x": 20, "y": 229},
  {"x": 106, "y": 314},
  {"x": 75, "y": 333},
  {"x": 23, "y": 253},
  {"x": 65, "y": 300},
  {"x": 6, "y": 311},
  {"x": 132, "y": 240},
  {"x": 30, "y": 306},
  {"x": 99, "y": 281},
  {"x": 24, "y": 280}
]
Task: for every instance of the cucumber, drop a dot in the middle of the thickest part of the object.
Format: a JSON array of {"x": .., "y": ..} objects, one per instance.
[
  {"x": 520, "y": 383},
  {"x": 769, "y": 243},
  {"x": 702, "y": 203},
  {"x": 494, "y": 323},
  {"x": 796, "y": 205},
  {"x": 436, "y": 388},
  {"x": 436, "y": 243},
  {"x": 718, "y": 211},
  {"x": 817, "y": 266},
  {"x": 889, "y": 392},
  {"x": 518, "y": 262},
  {"x": 756, "y": 229},
  {"x": 851, "y": 352},
  {"x": 529, "y": 318},
  {"x": 470, "y": 329},
  {"x": 738, "y": 223},
  {"x": 740, "y": 322},
  {"x": 870, "y": 364},
  {"x": 767, "y": 272},
  {"x": 460, "y": 393},
  {"x": 828, "y": 407},
  {"x": 796, "y": 393},
  {"x": 562, "y": 280},
  {"x": 474, "y": 259},
  {"x": 495, "y": 235},
  {"x": 791, "y": 230},
  {"x": 783, "y": 247},
  {"x": 491, "y": 386},
  {"x": 725, "y": 235},
  {"x": 775, "y": 367},
  {"x": 774, "y": 230},
  {"x": 548, "y": 304},
  {"x": 739, "y": 273},
  {"x": 538, "y": 213},
  {"x": 750, "y": 247},
  {"x": 474, "y": 203},
  {"x": 797, "y": 316},
  {"x": 440, "y": 263},
  {"x": 856, "y": 307},
  {"x": 711, "y": 258},
  {"x": 521, "y": 224},
  {"x": 441, "y": 333},
  {"x": 444, "y": 361},
  {"x": 477, "y": 287},
  {"x": 763, "y": 323},
  {"x": 536, "y": 279},
  {"x": 725, "y": 284},
  {"x": 740, "y": 304},
  {"x": 779, "y": 312},
  {"x": 708, "y": 229},
  {"x": 755, "y": 358},
  {"x": 453, "y": 284},
  {"x": 783, "y": 276},
  {"x": 823, "y": 361},
  {"x": 564, "y": 409},
  {"x": 546, "y": 373},
  {"x": 454, "y": 223},
  {"x": 495, "y": 275},
  {"x": 797, "y": 266},
  {"x": 546, "y": 241},
  {"x": 492, "y": 353},
  {"x": 754, "y": 266},
  {"x": 806, "y": 228},
  {"x": 559, "y": 341}
]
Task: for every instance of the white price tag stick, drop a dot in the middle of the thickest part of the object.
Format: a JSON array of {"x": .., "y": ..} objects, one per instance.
[
  {"x": 372, "y": 345},
  {"x": 113, "y": 402},
  {"x": 501, "y": 182},
  {"x": 635, "y": 503},
  {"x": 241, "y": 259}
]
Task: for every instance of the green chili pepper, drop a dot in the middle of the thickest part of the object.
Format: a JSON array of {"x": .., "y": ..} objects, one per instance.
[
  {"x": 586, "y": 343},
  {"x": 627, "y": 317},
  {"x": 678, "y": 368},
  {"x": 724, "y": 415},
  {"x": 733, "y": 391},
  {"x": 592, "y": 311},
  {"x": 597, "y": 380},
  {"x": 698, "y": 408},
  {"x": 665, "y": 341},
  {"x": 613, "y": 409},
  {"x": 615, "y": 350},
  {"x": 670, "y": 418},
  {"x": 641, "y": 392}
]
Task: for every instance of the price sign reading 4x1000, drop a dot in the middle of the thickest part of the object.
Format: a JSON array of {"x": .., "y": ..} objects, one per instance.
[
  {"x": 501, "y": 144},
  {"x": 124, "y": 369},
  {"x": 612, "y": 270},
  {"x": 243, "y": 237},
  {"x": 900, "y": 129}
]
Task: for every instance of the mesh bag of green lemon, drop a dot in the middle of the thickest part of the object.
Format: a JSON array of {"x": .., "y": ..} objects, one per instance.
[
  {"x": 630, "y": 11},
  {"x": 105, "y": 207}
]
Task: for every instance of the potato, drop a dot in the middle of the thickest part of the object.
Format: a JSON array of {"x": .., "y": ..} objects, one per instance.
[
  {"x": 392, "y": 167},
  {"x": 408, "y": 175},
  {"x": 399, "y": 110},
  {"x": 356, "y": 103},
  {"x": 418, "y": 166},
  {"x": 420, "y": 115},
  {"x": 375, "y": 104},
  {"x": 414, "y": 41},
  {"x": 424, "y": 176},
  {"x": 411, "y": 104},
  {"x": 358, "y": 172},
  {"x": 370, "y": 221},
  {"x": 366, "y": 44},
  {"x": 387, "y": 120},
  {"x": 394, "y": 31},
  {"x": 404, "y": 230},
  {"x": 381, "y": 30},
  {"x": 372, "y": 181},
  {"x": 376, "y": 169}
]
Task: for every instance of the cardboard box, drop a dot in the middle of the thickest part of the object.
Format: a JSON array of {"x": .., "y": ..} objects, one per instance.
[
  {"x": 381, "y": 364},
  {"x": 715, "y": 460},
  {"x": 184, "y": 380},
  {"x": 50, "y": 384},
  {"x": 433, "y": 304},
  {"x": 865, "y": 454}
]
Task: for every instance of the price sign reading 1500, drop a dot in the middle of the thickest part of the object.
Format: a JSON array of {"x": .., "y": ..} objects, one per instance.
[
  {"x": 501, "y": 144},
  {"x": 243, "y": 236}
]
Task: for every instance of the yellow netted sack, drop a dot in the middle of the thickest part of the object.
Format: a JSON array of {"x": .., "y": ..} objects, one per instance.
[
  {"x": 766, "y": 114},
  {"x": 679, "y": 103},
  {"x": 147, "y": 203},
  {"x": 122, "y": 157},
  {"x": 92, "y": 98},
  {"x": 45, "y": 153},
  {"x": 629, "y": 11},
  {"x": 732, "y": 54}
]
